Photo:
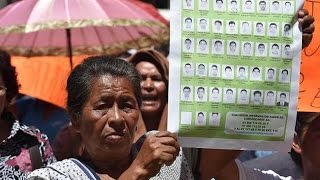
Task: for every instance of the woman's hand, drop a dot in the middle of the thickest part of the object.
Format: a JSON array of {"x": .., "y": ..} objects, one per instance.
[
  {"x": 158, "y": 149},
  {"x": 306, "y": 21}
]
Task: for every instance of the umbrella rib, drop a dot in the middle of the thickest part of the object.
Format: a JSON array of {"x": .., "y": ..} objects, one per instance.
[
  {"x": 99, "y": 39},
  {"x": 33, "y": 43},
  {"x": 126, "y": 29}
]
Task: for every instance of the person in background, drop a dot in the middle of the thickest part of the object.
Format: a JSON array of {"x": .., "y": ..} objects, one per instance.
[
  {"x": 47, "y": 117},
  {"x": 22, "y": 149},
  {"x": 154, "y": 69}
]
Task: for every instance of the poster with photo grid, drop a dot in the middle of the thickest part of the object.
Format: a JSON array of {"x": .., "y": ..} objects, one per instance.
[{"x": 234, "y": 73}]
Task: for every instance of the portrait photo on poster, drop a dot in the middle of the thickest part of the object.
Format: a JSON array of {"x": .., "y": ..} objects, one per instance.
[
  {"x": 215, "y": 94},
  {"x": 243, "y": 96}
]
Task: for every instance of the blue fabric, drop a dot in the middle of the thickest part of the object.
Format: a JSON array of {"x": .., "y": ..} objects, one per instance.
[{"x": 31, "y": 113}]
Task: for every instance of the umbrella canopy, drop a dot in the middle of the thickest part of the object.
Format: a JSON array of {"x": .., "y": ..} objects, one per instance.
[{"x": 38, "y": 27}]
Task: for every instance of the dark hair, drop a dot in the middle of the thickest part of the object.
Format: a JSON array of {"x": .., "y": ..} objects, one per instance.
[
  {"x": 275, "y": 2},
  {"x": 262, "y": 2},
  {"x": 283, "y": 94},
  {"x": 243, "y": 90},
  {"x": 232, "y": 42},
  {"x": 200, "y": 88},
  {"x": 287, "y": 3},
  {"x": 287, "y": 25},
  {"x": 255, "y": 69},
  {"x": 213, "y": 65},
  {"x": 229, "y": 90},
  {"x": 259, "y": 23},
  {"x": 272, "y": 24},
  {"x": 187, "y": 64},
  {"x": 218, "y": 41},
  {"x": 275, "y": 45},
  {"x": 247, "y": 43},
  {"x": 231, "y": 22},
  {"x": 187, "y": 87},
  {"x": 203, "y": 20},
  {"x": 287, "y": 45},
  {"x": 261, "y": 45},
  {"x": 201, "y": 65},
  {"x": 200, "y": 113},
  {"x": 202, "y": 40},
  {"x": 270, "y": 92},
  {"x": 285, "y": 70},
  {"x": 228, "y": 67},
  {"x": 9, "y": 75},
  {"x": 218, "y": 21},
  {"x": 242, "y": 68},
  {"x": 188, "y": 18},
  {"x": 257, "y": 92},
  {"x": 187, "y": 40},
  {"x": 215, "y": 89},
  {"x": 84, "y": 75},
  {"x": 270, "y": 69}
]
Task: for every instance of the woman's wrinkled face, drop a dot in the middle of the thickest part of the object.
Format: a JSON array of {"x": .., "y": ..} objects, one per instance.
[
  {"x": 153, "y": 89},
  {"x": 109, "y": 117}
]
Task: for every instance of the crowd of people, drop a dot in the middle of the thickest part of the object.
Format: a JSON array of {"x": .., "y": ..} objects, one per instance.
[{"x": 118, "y": 111}]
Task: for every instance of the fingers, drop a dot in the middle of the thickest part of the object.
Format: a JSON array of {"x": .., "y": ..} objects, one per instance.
[
  {"x": 165, "y": 134},
  {"x": 165, "y": 155},
  {"x": 307, "y": 21},
  {"x": 302, "y": 13},
  {"x": 162, "y": 146},
  {"x": 155, "y": 142},
  {"x": 306, "y": 39},
  {"x": 309, "y": 30}
]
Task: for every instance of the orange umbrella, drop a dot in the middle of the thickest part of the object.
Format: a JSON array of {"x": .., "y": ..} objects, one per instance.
[{"x": 44, "y": 77}]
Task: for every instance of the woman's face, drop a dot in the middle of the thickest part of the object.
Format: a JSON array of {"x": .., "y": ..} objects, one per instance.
[
  {"x": 153, "y": 89},
  {"x": 2, "y": 95},
  {"x": 109, "y": 117}
]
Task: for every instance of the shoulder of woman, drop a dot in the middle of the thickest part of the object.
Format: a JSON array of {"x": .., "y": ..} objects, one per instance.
[{"x": 65, "y": 169}]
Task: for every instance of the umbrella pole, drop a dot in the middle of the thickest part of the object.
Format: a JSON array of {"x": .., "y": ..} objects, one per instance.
[{"x": 69, "y": 47}]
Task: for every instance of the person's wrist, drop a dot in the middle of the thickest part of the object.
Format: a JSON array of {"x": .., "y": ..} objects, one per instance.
[{"x": 139, "y": 173}]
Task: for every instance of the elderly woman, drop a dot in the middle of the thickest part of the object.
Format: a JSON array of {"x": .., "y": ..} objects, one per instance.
[
  {"x": 22, "y": 149},
  {"x": 104, "y": 99},
  {"x": 154, "y": 69}
]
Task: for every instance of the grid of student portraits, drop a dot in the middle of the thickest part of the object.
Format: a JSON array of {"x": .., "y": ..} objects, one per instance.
[
  {"x": 237, "y": 96},
  {"x": 237, "y": 72},
  {"x": 230, "y": 95},
  {"x": 242, "y": 6},
  {"x": 237, "y": 48},
  {"x": 230, "y": 26},
  {"x": 234, "y": 53},
  {"x": 211, "y": 27}
]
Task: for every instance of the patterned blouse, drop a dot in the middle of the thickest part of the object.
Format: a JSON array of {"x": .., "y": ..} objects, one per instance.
[
  {"x": 15, "y": 161},
  {"x": 74, "y": 169}
]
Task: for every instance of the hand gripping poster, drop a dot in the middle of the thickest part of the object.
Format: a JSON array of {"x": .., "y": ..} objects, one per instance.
[{"x": 234, "y": 73}]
